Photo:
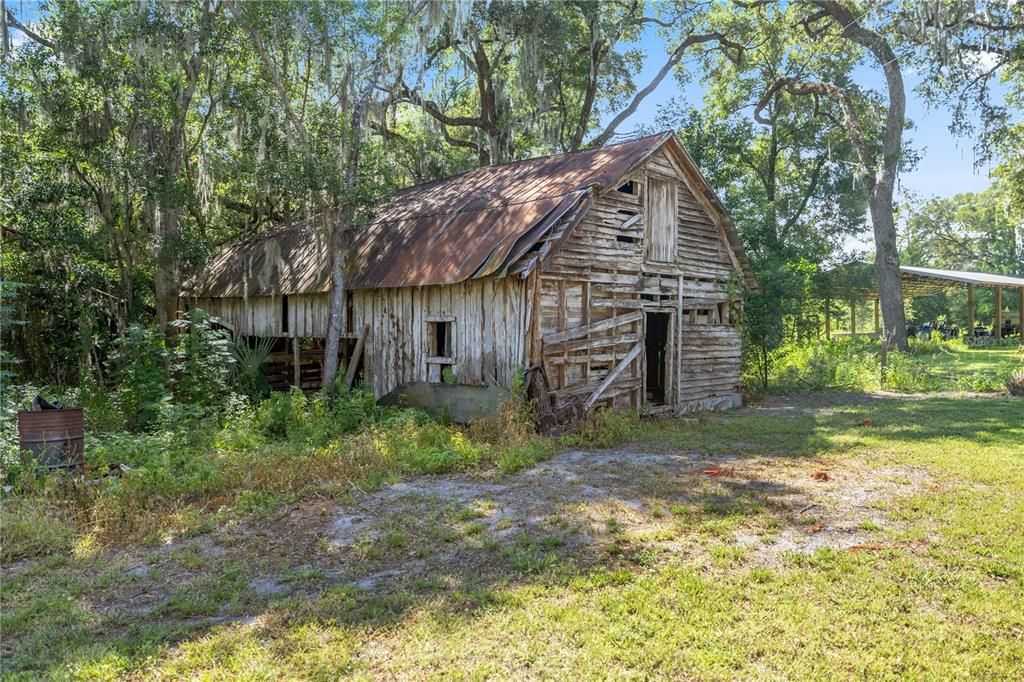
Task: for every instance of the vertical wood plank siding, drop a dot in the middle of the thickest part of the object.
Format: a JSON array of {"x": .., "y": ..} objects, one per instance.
[
  {"x": 488, "y": 331},
  {"x": 488, "y": 315},
  {"x": 606, "y": 260},
  {"x": 261, "y": 315}
]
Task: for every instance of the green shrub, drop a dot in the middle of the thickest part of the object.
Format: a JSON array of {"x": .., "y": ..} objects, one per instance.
[
  {"x": 202, "y": 362},
  {"x": 295, "y": 417},
  {"x": 139, "y": 363},
  {"x": 247, "y": 371},
  {"x": 100, "y": 406},
  {"x": 416, "y": 444},
  {"x": 905, "y": 373},
  {"x": 850, "y": 363},
  {"x": 854, "y": 363}
]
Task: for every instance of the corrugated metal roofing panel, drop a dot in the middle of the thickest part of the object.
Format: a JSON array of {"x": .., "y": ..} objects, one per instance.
[{"x": 442, "y": 232}]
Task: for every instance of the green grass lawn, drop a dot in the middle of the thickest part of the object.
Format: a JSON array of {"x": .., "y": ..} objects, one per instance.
[
  {"x": 935, "y": 591},
  {"x": 955, "y": 361}
]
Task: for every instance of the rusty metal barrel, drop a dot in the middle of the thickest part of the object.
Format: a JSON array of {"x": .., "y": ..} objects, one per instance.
[{"x": 54, "y": 438}]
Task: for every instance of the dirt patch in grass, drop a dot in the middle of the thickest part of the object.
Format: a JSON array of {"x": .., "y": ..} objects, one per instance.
[{"x": 633, "y": 506}]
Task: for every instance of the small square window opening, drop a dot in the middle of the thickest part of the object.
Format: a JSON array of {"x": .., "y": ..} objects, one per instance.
[{"x": 440, "y": 338}]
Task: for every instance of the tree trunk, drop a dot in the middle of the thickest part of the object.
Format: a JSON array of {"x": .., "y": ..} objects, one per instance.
[
  {"x": 341, "y": 230},
  {"x": 887, "y": 266},
  {"x": 338, "y": 242},
  {"x": 166, "y": 278}
]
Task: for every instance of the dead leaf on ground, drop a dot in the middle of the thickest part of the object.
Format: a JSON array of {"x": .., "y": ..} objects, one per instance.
[
  {"x": 816, "y": 528},
  {"x": 821, "y": 476}
]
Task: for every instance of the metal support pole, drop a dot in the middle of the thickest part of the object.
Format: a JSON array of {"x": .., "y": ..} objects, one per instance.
[
  {"x": 997, "y": 327},
  {"x": 1020, "y": 313},
  {"x": 970, "y": 311}
]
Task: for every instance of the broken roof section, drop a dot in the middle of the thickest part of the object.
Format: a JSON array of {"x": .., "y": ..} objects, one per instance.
[{"x": 475, "y": 224}]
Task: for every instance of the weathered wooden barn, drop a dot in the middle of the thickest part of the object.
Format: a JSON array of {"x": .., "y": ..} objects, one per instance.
[{"x": 616, "y": 270}]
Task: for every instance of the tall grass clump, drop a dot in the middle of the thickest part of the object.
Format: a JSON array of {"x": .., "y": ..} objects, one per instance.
[
  {"x": 511, "y": 436},
  {"x": 604, "y": 428},
  {"x": 849, "y": 363},
  {"x": 855, "y": 364}
]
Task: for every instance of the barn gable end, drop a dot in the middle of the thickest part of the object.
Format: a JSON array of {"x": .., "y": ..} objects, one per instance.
[{"x": 617, "y": 297}]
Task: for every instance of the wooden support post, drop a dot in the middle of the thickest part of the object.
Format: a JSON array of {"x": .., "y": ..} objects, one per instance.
[
  {"x": 585, "y": 320},
  {"x": 679, "y": 339},
  {"x": 853, "y": 316},
  {"x": 970, "y": 311},
  {"x": 296, "y": 364},
  {"x": 878, "y": 321},
  {"x": 997, "y": 325},
  {"x": 828, "y": 318}
]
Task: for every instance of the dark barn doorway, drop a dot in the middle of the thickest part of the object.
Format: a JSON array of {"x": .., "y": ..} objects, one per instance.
[{"x": 656, "y": 349}]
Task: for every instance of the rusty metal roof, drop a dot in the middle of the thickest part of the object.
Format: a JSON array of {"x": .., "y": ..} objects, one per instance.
[
  {"x": 289, "y": 259},
  {"x": 470, "y": 225}
]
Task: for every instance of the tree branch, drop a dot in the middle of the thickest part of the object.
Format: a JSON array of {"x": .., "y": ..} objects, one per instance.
[
  {"x": 879, "y": 47},
  {"x": 431, "y": 107},
  {"x": 812, "y": 186},
  {"x": 673, "y": 60},
  {"x": 35, "y": 37}
]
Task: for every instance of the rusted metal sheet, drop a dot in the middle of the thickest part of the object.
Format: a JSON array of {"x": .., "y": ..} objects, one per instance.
[
  {"x": 289, "y": 259},
  {"x": 55, "y": 438},
  {"x": 442, "y": 232}
]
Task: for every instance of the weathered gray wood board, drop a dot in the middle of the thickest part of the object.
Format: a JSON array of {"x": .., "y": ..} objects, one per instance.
[{"x": 612, "y": 271}]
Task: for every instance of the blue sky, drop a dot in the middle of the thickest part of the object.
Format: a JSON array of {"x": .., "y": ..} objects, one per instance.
[{"x": 947, "y": 163}]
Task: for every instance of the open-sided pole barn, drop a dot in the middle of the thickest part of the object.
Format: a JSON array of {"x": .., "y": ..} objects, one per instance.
[
  {"x": 918, "y": 281},
  {"x": 617, "y": 271}
]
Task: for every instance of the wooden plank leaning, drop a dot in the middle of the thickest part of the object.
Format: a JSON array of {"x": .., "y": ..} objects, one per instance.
[
  {"x": 357, "y": 354},
  {"x": 630, "y": 356}
]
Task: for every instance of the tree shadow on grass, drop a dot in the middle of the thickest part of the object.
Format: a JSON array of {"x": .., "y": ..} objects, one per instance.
[{"x": 457, "y": 546}]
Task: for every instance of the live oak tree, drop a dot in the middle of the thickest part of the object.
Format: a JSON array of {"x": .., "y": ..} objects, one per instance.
[
  {"x": 507, "y": 78},
  {"x": 874, "y": 122},
  {"x": 832, "y": 31},
  {"x": 343, "y": 53},
  {"x": 789, "y": 179}
]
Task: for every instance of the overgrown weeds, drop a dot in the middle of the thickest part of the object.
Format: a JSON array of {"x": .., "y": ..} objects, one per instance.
[
  {"x": 243, "y": 460},
  {"x": 855, "y": 363}
]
